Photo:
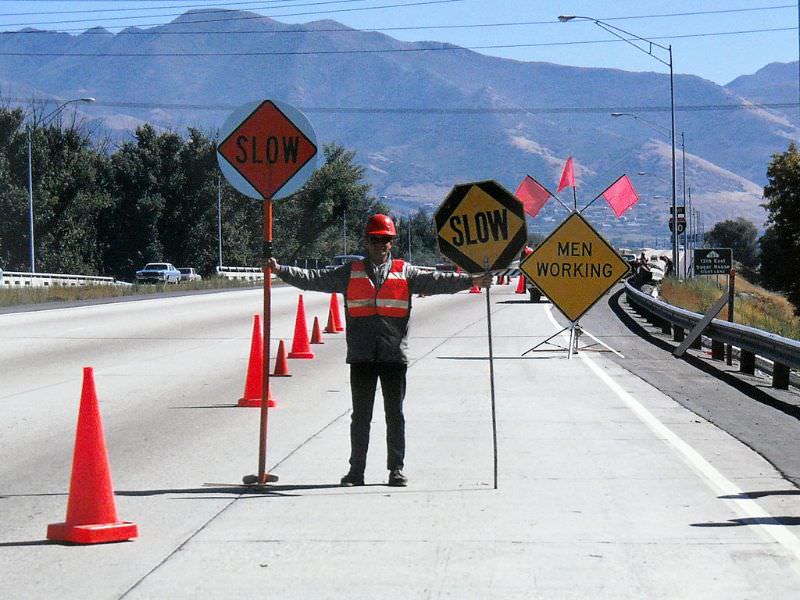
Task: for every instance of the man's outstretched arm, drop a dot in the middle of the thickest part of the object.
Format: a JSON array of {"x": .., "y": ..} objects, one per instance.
[{"x": 315, "y": 280}]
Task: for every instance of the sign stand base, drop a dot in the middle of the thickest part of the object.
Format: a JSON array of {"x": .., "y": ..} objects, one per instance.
[
  {"x": 575, "y": 331},
  {"x": 580, "y": 330}
]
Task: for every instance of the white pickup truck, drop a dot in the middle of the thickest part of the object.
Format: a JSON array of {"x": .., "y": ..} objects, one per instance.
[{"x": 158, "y": 273}]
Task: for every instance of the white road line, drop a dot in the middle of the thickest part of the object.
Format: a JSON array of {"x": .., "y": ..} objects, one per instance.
[{"x": 718, "y": 483}]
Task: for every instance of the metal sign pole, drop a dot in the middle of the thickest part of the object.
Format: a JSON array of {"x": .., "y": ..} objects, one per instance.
[
  {"x": 266, "y": 124},
  {"x": 267, "y": 255},
  {"x": 571, "y": 340},
  {"x": 491, "y": 372}
]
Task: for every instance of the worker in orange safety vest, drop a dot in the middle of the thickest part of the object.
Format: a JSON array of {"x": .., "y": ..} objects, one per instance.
[{"x": 377, "y": 291}]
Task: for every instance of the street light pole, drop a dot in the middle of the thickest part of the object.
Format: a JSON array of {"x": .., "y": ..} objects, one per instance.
[
  {"x": 660, "y": 128},
  {"x": 219, "y": 217},
  {"x": 675, "y": 257},
  {"x": 666, "y": 131},
  {"x": 631, "y": 39},
  {"x": 45, "y": 120},
  {"x": 409, "y": 236},
  {"x": 30, "y": 205},
  {"x": 685, "y": 234}
]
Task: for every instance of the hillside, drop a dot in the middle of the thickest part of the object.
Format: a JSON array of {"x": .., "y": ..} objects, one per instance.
[{"x": 419, "y": 120}]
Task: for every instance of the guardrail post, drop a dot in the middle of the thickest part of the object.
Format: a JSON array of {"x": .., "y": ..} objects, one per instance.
[
  {"x": 717, "y": 350},
  {"x": 780, "y": 376},
  {"x": 747, "y": 362},
  {"x": 678, "y": 333},
  {"x": 697, "y": 344},
  {"x": 666, "y": 327}
]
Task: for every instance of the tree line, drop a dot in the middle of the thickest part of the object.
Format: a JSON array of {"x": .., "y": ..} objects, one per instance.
[
  {"x": 104, "y": 211},
  {"x": 156, "y": 197}
]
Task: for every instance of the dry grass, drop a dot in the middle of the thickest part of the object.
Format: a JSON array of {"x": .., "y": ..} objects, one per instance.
[
  {"x": 38, "y": 295},
  {"x": 753, "y": 305}
]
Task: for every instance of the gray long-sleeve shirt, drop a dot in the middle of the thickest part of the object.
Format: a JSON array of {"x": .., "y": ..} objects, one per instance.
[{"x": 376, "y": 338}]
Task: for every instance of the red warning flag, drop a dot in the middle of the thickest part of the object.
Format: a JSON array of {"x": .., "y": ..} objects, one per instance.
[
  {"x": 567, "y": 176},
  {"x": 532, "y": 195},
  {"x": 620, "y": 195}
]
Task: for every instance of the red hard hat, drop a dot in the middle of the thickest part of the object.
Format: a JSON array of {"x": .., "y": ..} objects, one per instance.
[{"x": 380, "y": 225}]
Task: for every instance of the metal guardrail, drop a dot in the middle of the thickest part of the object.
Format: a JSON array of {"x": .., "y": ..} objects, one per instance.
[
  {"x": 19, "y": 279},
  {"x": 784, "y": 353},
  {"x": 246, "y": 273}
]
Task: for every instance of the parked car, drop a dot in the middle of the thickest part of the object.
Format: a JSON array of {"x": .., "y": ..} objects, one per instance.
[
  {"x": 158, "y": 273},
  {"x": 189, "y": 274},
  {"x": 632, "y": 261},
  {"x": 343, "y": 259}
]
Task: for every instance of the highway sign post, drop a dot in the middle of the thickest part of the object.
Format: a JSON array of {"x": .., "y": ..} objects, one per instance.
[
  {"x": 267, "y": 152},
  {"x": 681, "y": 219},
  {"x": 574, "y": 267},
  {"x": 712, "y": 261},
  {"x": 481, "y": 227}
]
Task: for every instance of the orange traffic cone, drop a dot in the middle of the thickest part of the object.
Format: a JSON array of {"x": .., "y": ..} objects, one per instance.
[
  {"x": 300, "y": 348},
  {"x": 474, "y": 290},
  {"x": 281, "y": 364},
  {"x": 337, "y": 319},
  {"x": 521, "y": 284},
  {"x": 316, "y": 333},
  {"x": 330, "y": 327},
  {"x": 255, "y": 371},
  {"x": 91, "y": 513}
]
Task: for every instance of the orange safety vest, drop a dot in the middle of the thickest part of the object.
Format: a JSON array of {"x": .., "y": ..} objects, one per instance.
[{"x": 391, "y": 300}]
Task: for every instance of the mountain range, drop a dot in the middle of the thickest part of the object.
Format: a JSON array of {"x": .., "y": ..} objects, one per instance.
[{"x": 424, "y": 116}]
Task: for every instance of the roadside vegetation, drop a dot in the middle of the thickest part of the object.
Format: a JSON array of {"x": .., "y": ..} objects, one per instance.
[
  {"x": 39, "y": 295},
  {"x": 753, "y": 305},
  {"x": 159, "y": 197}
]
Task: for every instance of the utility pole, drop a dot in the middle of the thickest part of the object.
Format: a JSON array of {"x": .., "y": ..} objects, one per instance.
[{"x": 219, "y": 216}]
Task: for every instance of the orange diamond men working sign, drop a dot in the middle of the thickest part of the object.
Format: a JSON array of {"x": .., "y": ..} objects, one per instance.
[
  {"x": 267, "y": 149},
  {"x": 574, "y": 266}
]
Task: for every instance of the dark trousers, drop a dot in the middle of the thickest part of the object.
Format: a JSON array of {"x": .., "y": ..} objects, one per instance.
[{"x": 363, "y": 382}]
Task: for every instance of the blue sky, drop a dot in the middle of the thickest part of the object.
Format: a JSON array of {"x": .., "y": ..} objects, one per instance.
[{"x": 716, "y": 45}]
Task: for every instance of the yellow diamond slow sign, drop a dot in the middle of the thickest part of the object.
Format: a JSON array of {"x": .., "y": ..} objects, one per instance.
[
  {"x": 574, "y": 266},
  {"x": 481, "y": 225}
]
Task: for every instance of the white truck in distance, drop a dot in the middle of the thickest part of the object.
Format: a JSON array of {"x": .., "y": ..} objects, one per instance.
[{"x": 158, "y": 273}]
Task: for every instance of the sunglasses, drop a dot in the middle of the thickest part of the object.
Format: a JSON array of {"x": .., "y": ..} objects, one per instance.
[{"x": 380, "y": 240}]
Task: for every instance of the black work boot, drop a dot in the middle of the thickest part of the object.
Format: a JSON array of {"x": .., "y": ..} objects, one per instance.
[
  {"x": 352, "y": 479},
  {"x": 397, "y": 479}
]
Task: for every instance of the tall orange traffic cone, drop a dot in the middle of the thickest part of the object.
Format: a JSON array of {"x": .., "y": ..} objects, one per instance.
[
  {"x": 521, "y": 284},
  {"x": 337, "y": 319},
  {"x": 255, "y": 371},
  {"x": 300, "y": 347},
  {"x": 330, "y": 327},
  {"x": 91, "y": 513},
  {"x": 281, "y": 364},
  {"x": 316, "y": 333}
]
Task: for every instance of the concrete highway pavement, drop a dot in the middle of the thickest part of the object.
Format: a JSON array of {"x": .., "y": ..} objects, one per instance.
[
  {"x": 745, "y": 406},
  {"x": 607, "y": 486}
]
